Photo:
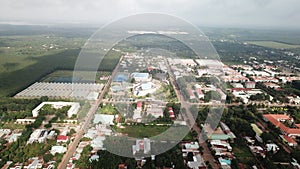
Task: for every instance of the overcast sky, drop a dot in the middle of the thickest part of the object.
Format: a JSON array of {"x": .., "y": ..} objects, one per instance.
[{"x": 232, "y": 13}]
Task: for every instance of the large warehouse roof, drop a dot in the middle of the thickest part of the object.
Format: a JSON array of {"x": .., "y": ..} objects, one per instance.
[{"x": 60, "y": 90}]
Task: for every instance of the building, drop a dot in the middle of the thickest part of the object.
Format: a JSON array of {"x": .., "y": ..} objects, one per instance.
[
  {"x": 141, "y": 77},
  {"x": 250, "y": 85},
  {"x": 14, "y": 137},
  {"x": 199, "y": 93},
  {"x": 290, "y": 141},
  {"x": 139, "y": 106},
  {"x": 171, "y": 113},
  {"x": 75, "y": 106},
  {"x": 38, "y": 135},
  {"x": 277, "y": 119},
  {"x": 237, "y": 85},
  {"x": 58, "y": 149},
  {"x": 25, "y": 121},
  {"x": 142, "y": 145},
  {"x": 155, "y": 111},
  {"x": 104, "y": 119},
  {"x": 271, "y": 85},
  {"x": 62, "y": 139},
  {"x": 197, "y": 163},
  {"x": 191, "y": 94},
  {"x": 60, "y": 90},
  {"x": 34, "y": 163}
]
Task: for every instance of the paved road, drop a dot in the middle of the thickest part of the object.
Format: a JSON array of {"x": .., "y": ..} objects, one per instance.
[
  {"x": 190, "y": 120},
  {"x": 86, "y": 122}
]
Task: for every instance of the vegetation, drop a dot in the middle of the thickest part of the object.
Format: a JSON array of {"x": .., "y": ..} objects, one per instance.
[
  {"x": 141, "y": 131},
  {"x": 272, "y": 44},
  {"x": 108, "y": 109},
  {"x": 12, "y": 109}
]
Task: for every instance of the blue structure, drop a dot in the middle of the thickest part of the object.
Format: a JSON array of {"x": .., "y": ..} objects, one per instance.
[{"x": 120, "y": 78}]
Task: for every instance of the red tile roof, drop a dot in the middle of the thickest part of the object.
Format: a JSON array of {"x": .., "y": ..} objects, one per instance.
[
  {"x": 289, "y": 140},
  {"x": 62, "y": 138},
  {"x": 139, "y": 104},
  {"x": 275, "y": 120}
]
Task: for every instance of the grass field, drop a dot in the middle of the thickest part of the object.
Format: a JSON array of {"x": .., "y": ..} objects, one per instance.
[
  {"x": 139, "y": 131},
  {"x": 156, "y": 132},
  {"x": 273, "y": 44},
  {"x": 12, "y": 125},
  {"x": 107, "y": 109}
]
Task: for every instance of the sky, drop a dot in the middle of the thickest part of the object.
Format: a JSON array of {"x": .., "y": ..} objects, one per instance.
[{"x": 229, "y": 13}]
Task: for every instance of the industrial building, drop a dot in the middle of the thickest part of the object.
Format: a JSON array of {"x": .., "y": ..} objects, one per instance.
[
  {"x": 88, "y": 91},
  {"x": 57, "y": 105}
]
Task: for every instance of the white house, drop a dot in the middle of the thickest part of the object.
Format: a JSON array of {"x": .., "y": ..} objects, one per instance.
[{"x": 58, "y": 149}]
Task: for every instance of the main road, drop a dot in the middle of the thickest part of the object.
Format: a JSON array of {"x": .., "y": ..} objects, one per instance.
[
  {"x": 86, "y": 122},
  {"x": 191, "y": 120}
]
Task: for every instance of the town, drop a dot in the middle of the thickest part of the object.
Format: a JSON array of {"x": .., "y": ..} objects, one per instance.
[{"x": 147, "y": 95}]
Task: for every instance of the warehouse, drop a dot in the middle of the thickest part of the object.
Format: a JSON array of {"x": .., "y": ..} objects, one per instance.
[{"x": 61, "y": 90}]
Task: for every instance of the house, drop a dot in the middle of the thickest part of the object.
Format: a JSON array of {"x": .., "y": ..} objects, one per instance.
[
  {"x": 171, "y": 113},
  {"x": 197, "y": 163},
  {"x": 199, "y": 93},
  {"x": 271, "y": 85},
  {"x": 155, "y": 112},
  {"x": 272, "y": 147},
  {"x": 258, "y": 150},
  {"x": 140, "y": 144},
  {"x": 290, "y": 141},
  {"x": 34, "y": 163},
  {"x": 104, "y": 119},
  {"x": 122, "y": 166},
  {"x": 62, "y": 139},
  {"x": 249, "y": 140},
  {"x": 191, "y": 94},
  {"x": 58, "y": 149},
  {"x": 250, "y": 85},
  {"x": 38, "y": 135},
  {"x": 139, "y": 106}
]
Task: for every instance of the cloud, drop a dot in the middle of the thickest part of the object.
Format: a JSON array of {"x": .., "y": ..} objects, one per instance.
[{"x": 261, "y": 13}]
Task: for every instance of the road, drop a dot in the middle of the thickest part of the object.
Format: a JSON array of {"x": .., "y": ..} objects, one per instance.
[
  {"x": 191, "y": 122},
  {"x": 86, "y": 122},
  {"x": 210, "y": 103}
]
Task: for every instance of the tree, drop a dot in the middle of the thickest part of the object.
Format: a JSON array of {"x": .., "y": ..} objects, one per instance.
[
  {"x": 267, "y": 136},
  {"x": 47, "y": 157}
]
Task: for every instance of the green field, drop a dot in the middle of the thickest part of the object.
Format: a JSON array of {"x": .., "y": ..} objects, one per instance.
[
  {"x": 139, "y": 131},
  {"x": 157, "y": 132},
  {"x": 27, "y": 59},
  {"x": 107, "y": 109},
  {"x": 273, "y": 44},
  {"x": 67, "y": 75},
  {"x": 18, "y": 52}
]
